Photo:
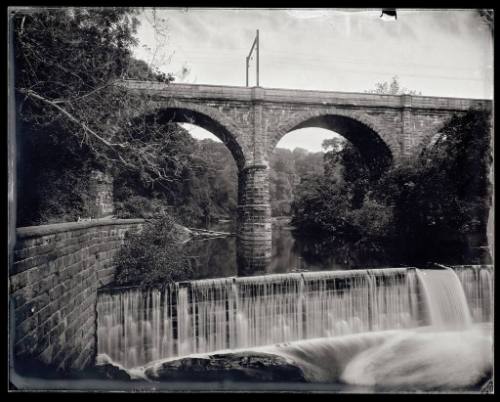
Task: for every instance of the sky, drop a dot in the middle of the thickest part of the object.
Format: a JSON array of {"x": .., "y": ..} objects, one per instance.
[{"x": 436, "y": 52}]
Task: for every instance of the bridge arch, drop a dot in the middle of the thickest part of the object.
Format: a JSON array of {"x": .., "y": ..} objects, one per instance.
[
  {"x": 378, "y": 152},
  {"x": 210, "y": 120}
]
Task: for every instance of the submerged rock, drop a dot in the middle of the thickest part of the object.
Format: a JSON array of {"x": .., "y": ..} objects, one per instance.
[{"x": 243, "y": 366}]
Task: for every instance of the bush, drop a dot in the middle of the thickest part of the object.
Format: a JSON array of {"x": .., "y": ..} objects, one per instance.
[{"x": 152, "y": 257}]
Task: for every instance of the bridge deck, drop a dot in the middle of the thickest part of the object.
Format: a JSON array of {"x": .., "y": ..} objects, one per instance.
[{"x": 234, "y": 93}]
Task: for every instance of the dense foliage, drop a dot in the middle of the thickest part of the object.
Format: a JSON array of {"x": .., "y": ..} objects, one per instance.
[
  {"x": 152, "y": 257},
  {"x": 441, "y": 200},
  {"x": 206, "y": 189},
  {"x": 53, "y": 177},
  {"x": 287, "y": 169},
  {"x": 72, "y": 116},
  {"x": 432, "y": 207}
]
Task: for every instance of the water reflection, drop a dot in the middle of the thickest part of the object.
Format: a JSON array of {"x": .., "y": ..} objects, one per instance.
[
  {"x": 212, "y": 258},
  {"x": 288, "y": 252},
  {"x": 232, "y": 256},
  {"x": 253, "y": 256}
]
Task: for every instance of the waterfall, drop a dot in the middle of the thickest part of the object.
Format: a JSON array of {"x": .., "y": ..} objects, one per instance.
[
  {"x": 477, "y": 282},
  {"x": 139, "y": 326},
  {"x": 135, "y": 327},
  {"x": 445, "y": 298}
]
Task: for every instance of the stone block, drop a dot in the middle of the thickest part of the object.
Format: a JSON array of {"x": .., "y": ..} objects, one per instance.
[
  {"x": 25, "y": 346},
  {"x": 43, "y": 315},
  {"x": 23, "y": 253},
  {"x": 21, "y": 296},
  {"x": 25, "y": 327},
  {"x": 25, "y": 311},
  {"x": 18, "y": 281},
  {"x": 24, "y": 265}
]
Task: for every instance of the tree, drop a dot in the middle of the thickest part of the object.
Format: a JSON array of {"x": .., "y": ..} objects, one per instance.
[
  {"x": 207, "y": 188},
  {"x": 69, "y": 66},
  {"x": 74, "y": 117},
  {"x": 282, "y": 179},
  {"x": 433, "y": 207},
  {"x": 442, "y": 199},
  {"x": 392, "y": 88},
  {"x": 324, "y": 203},
  {"x": 287, "y": 170}
]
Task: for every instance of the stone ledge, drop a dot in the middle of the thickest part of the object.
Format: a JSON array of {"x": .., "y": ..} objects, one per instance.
[
  {"x": 45, "y": 230},
  {"x": 303, "y": 96}
]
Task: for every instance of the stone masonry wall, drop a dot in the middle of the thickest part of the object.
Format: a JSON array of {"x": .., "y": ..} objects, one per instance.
[
  {"x": 255, "y": 119},
  {"x": 53, "y": 286},
  {"x": 254, "y": 207}
]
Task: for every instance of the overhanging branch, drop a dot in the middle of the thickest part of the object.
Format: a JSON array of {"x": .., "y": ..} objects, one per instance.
[{"x": 55, "y": 105}]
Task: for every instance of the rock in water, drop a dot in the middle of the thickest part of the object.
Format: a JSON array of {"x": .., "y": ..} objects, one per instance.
[
  {"x": 111, "y": 372},
  {"x": 244, "y": 366}
]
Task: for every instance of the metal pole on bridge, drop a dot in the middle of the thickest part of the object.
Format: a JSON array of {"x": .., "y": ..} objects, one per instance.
[
  {"x": 257, "y": 40},
  {"x": 247, "y": 70},
  {"x": 255, "y": 45}
]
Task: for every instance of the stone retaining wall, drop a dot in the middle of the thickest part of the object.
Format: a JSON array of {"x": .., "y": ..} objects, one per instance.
[{"x": 53, "y": 284}]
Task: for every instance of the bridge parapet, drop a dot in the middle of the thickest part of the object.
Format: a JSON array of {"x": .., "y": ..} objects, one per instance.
[{"x": 281, "y": 95}]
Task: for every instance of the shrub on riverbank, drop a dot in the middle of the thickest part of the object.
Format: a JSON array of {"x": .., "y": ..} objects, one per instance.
[{"x": 153, "y": 256}]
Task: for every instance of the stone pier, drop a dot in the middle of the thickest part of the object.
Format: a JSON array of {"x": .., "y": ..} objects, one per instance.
[{"x": 254, "y": 243}]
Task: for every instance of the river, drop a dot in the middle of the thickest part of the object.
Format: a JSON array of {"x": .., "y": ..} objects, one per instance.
[{"x": 217, "y": 257}]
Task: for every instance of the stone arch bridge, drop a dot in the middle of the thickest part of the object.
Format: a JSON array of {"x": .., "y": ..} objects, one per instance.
[{"x": 251, "y": 121}]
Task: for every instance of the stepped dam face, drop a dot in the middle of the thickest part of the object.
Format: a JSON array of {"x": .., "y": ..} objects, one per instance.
[{"x": 136, "y": 327}]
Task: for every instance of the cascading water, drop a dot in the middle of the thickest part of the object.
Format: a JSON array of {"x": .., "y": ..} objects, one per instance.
[
  {"x": 138, "y": 326},
  {"x": 445, "y": 299},
  {"x": 477, "y": 282},
  {"x": 394, "y": 328},
  {"x": 451, "y": 353}
]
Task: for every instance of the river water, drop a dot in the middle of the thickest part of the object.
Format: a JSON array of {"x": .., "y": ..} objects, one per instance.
[{"x": 217, "y": 257}]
